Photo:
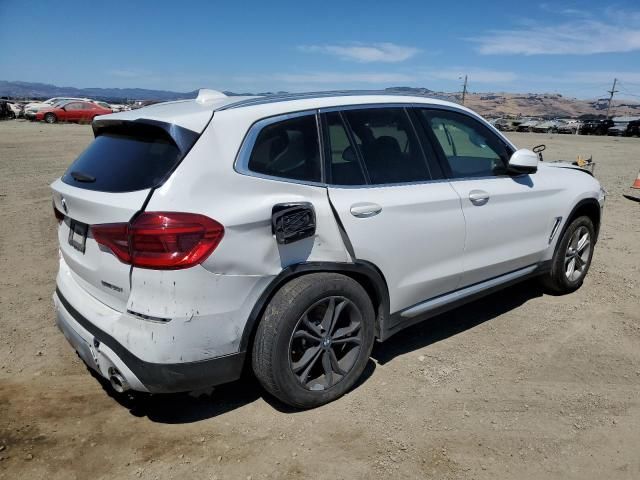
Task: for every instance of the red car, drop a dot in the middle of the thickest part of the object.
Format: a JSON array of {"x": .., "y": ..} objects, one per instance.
[{"x": 73, "y": 111}]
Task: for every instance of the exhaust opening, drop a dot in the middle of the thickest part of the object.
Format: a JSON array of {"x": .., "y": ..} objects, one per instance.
[{"x": 118, "y": 382}]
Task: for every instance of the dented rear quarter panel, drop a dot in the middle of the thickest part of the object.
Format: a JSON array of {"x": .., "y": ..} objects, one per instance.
[{"x": 207, "y": 312}]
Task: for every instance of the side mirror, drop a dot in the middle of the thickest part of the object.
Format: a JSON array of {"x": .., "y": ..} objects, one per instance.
[{"x": 523, "y": 161}]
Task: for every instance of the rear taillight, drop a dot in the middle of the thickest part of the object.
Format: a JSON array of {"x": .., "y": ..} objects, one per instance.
[
  {"x": 59, "y": 215},
  {"x": 161, "y": 240}
]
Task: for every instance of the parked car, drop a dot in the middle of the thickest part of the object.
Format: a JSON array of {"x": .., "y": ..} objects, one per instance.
[
  {"x": 200, "y": 235},
  {"x": 569, "y": 126},
  {"x": 633, "y": 129},
  {"x": 527, "y": 126},
  {"x": 619, "y": 129},
  {"x": 6, "y": 112},
  {"x": 118, "y": 107},
  {"x": 72, "y": 111},
  {"x": 504, "y": 125},
  {"x": 16, "y": 108},
  {"x": 550, "y": 126},
  {"x": 31, "y": 109},
  {"x": 596, "y": 127}
]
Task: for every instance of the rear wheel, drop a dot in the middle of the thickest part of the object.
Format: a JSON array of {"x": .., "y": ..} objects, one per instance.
[
  {"x": 314, "y": 339},
  {"x": 572, "y": 257},
  {"x": 50, "y": 118}
]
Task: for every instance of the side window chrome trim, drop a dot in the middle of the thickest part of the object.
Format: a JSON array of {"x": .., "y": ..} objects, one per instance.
[
  {"x": 241, "y": 164},
  {"x": 244, "y": 153},
  {"x": 388, "y": 185},
  {"x": 429, "y": 106},
  {"x": 364, "y": 106}
]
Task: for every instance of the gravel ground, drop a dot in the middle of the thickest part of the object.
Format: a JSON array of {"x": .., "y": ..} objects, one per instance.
[{"x": 517, "y": 385}]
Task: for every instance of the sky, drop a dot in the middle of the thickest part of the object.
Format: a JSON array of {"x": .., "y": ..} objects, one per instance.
[{"x": 575, "y": 48}]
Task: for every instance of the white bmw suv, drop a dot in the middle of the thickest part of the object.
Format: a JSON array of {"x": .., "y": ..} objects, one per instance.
[{"x": 290, "y": 232}]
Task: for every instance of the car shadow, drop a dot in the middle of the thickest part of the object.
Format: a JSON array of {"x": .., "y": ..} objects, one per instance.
[
  {"x": 451, "y": 323},
  {"x": 193, "y": 407}
]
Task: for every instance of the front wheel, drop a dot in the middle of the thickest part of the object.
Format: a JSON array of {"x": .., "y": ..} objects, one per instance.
[
  {"x": 314, "y": 339},
  {"x": 50, "y": 118},
  {"x": 572, "y": 257}
]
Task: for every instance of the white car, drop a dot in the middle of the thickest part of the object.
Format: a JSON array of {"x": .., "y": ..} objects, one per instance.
[
  {"x": 118, "y": 107},
  {"x": 291, "y": 232}
]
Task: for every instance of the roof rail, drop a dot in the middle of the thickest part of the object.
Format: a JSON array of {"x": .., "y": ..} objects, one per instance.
[
  {"x": 283, "y": 97},
  {"x": 205, "y": 95}
]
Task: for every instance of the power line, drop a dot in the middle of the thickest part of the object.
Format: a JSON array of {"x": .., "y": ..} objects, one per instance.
[
  {"x": 625, "y": 91},
  {"x": 633, "y": 84}
]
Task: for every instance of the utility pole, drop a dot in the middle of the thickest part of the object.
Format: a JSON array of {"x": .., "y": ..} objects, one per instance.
[
  {"x": 611, "y": 92},
  {"x": 464, "y": 89}
]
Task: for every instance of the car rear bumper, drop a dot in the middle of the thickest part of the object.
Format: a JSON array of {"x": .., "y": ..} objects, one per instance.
[{"x": 105, "y": 355}]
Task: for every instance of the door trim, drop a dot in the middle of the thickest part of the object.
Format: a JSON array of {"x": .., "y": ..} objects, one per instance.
[{"x": 464, "y": 292}]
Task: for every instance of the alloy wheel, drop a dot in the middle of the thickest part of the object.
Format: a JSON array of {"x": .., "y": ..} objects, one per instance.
[
  {"x": 326, "y": 343},
  {"x": 577, "y": 254}
]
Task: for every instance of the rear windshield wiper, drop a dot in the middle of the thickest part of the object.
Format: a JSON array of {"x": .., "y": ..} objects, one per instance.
[{"x": 83, "y": 177}]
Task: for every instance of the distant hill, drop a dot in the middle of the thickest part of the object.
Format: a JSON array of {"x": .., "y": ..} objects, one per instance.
[
  {"x": 531, "y": 104},
  {"x": 43, "y": 90},
  {"x": 487, "y": 104}
]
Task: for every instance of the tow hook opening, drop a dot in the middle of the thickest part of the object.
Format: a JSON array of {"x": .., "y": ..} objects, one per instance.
[{"x": 118, "y": 382}]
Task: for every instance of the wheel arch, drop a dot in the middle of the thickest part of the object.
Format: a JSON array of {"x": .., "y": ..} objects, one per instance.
[
  {"x": 365, "y": 273},
  {"x": 588, "y": 207}
]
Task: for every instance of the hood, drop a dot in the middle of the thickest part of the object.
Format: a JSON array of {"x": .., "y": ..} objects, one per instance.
[{"x": 564, "y": 164}]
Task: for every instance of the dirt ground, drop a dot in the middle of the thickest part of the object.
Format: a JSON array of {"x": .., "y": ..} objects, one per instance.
[{"x": 519, "y": 385}]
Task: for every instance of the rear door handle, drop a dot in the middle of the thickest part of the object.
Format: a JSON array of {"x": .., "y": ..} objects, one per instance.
[
  {"x": 478, "y": 197},
  {"x": 365, "y": 209}
]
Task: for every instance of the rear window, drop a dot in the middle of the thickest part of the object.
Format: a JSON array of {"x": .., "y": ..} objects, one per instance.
[
  {"x": 288, "y": 149},
  {"x": 123, "y": 163}
]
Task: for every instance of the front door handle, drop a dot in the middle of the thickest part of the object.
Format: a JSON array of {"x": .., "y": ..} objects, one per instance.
[
  {"x": 478, "y": 197},
  {"x": 365, "y": 210}
]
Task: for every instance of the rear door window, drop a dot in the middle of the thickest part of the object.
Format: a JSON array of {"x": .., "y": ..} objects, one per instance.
[
  {"x": 288, "y": 149},
  {"x": 388, "y": 145},
  {"x": 117, "y": 162},
  {"x": 344, "y": 166}
]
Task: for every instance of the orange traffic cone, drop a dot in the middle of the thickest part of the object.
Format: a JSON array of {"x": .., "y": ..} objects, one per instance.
[{"x": 635, "y": 186}]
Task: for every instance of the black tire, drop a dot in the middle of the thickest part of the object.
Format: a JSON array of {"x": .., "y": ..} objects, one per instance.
[
  {"x": 50, "y": 118},
  {"x": 559, "y": 281},
  {"x": 276, "y": 348}
]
